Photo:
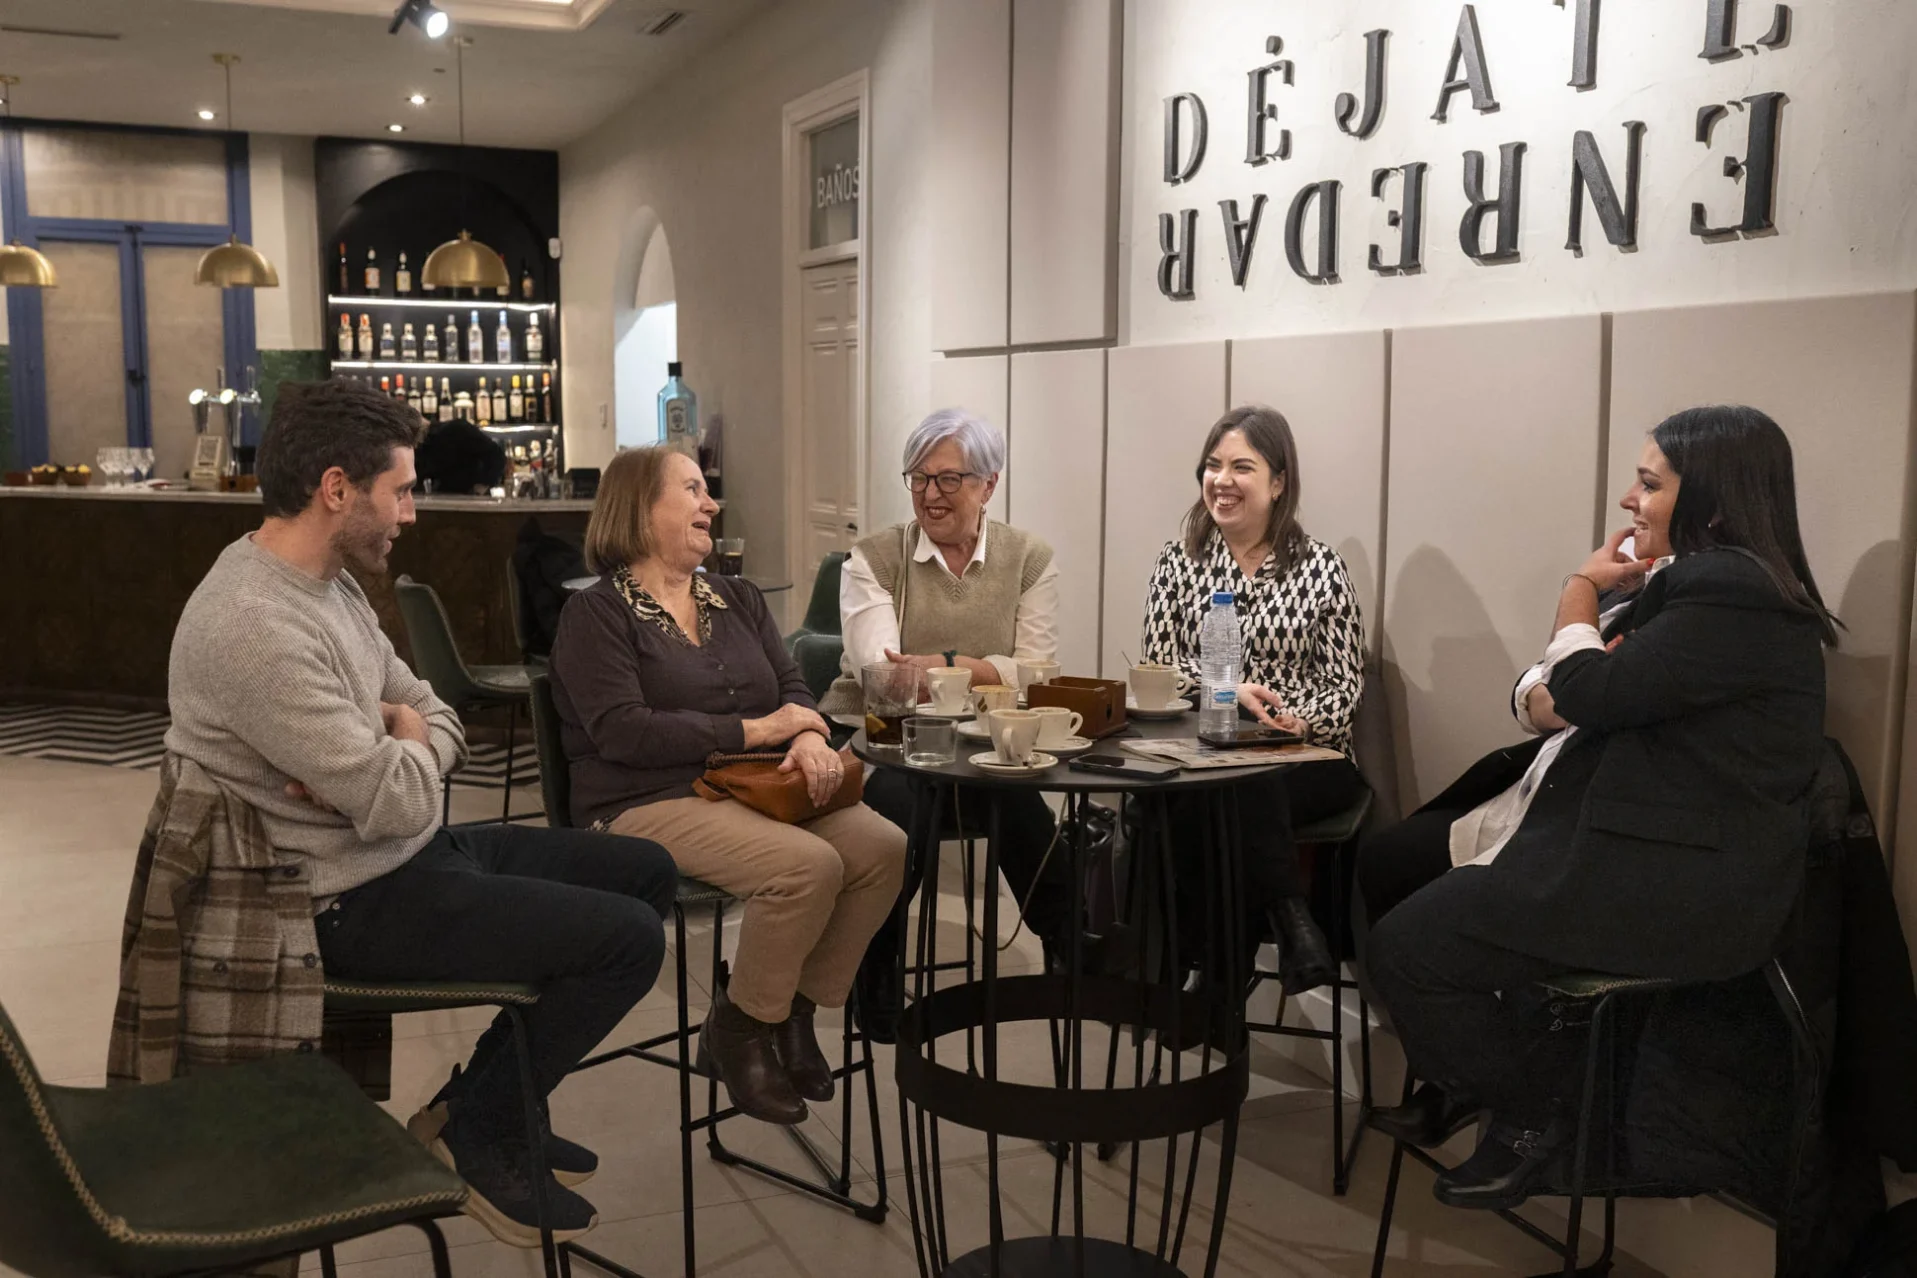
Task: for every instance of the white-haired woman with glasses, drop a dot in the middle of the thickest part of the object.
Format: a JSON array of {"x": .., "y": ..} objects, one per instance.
[{"x": 953, "y": 587}]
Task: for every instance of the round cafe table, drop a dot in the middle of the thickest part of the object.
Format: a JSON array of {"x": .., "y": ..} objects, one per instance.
[{"x": 949, "y": 1050}]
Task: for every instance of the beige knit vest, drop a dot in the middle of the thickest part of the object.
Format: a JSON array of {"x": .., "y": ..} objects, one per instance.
[{"x": 976, "y": 614}]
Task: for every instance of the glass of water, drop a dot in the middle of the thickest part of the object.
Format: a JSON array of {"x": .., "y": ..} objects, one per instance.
[{"x": 930, "y": 743}]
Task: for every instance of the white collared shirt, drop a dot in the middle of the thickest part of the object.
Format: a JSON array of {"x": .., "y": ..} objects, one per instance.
[
  {"x": 870, "y": 622},
  {"x": 1480, "y": 834}
]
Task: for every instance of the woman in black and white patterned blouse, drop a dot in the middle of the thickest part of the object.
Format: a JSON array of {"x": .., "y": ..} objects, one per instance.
[{"x": 1304, "y": 645}]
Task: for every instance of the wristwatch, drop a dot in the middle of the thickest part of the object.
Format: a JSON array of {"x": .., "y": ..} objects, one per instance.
[{"x": 951, "y": 656}]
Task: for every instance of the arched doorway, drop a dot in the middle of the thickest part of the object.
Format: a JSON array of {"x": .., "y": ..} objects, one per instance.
[{"x": 645, "y": 338}]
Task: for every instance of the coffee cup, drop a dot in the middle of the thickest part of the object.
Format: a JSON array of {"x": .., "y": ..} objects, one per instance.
[
  {"x": 995, "y": 696},
  {"x": 1014, "y": 734},
  {"x": 1155, "y": 687},
  {"x": 1031, "y": 672},
  {"x": 1057, "y": 725},
  {"x": 948, "y": 687}
]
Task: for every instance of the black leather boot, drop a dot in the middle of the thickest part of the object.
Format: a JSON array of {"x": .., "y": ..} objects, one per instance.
[
  {"x": 741, "y": 1052},
  {"x": 798, "y": 1046},
  {"x": 1304, "y": 960},
  {"x": 1507, "y": 1168},
  {"x": 880, "y": 1000},
  {"x": 1429, "y": 1119}
]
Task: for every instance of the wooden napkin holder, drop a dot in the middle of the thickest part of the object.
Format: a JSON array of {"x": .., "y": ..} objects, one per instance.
[{"x": 1100, "y": 701}]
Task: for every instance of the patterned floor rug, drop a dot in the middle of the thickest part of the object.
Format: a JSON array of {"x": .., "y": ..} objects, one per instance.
[{"x": 136, "y": 739}]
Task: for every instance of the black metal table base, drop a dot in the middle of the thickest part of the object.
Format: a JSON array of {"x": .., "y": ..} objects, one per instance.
[{"x": 1047, "y": 1257}]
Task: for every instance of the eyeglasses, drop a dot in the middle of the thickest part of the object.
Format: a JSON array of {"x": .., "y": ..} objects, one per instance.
[{"x": 949, "y": 481}]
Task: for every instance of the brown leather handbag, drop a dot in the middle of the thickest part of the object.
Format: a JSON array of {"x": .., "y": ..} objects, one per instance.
[{"x": 754, "y": 779}]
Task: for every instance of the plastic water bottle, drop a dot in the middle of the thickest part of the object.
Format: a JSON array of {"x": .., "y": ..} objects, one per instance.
[{"x": 1221, "y": 655}]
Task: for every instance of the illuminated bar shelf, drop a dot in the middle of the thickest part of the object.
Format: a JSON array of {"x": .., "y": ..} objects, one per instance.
[
  {"x": 427, "y": 366},
  {"x": 442, "y": 304}
]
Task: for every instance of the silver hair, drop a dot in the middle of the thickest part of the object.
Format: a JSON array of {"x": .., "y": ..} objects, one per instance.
[{"x": 981, "y": 443}]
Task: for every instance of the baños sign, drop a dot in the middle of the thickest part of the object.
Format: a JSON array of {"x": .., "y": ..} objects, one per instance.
[{"x": 1605, "y": 175}]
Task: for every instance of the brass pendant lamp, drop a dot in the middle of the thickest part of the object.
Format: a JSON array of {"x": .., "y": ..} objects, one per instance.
[
  {"x": 233, "y": 264},
  {"x": 463, "y": 262},
  {"x": 20, "y": 266}
]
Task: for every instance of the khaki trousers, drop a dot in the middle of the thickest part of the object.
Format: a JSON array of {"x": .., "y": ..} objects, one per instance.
[{"x": 814, "y": 894}]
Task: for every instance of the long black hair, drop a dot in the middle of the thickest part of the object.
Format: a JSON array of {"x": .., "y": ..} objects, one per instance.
[{"x": 1738, "y": 490}]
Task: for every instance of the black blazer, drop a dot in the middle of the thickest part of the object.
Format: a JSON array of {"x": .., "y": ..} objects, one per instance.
[{"x": 1668, "y": 838}]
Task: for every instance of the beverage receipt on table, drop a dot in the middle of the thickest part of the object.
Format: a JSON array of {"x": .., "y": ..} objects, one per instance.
[{"x": 1191, "y": 753}]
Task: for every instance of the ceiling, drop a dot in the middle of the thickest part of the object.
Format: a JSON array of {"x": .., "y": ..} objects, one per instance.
[{"x": 538, "y": 74}]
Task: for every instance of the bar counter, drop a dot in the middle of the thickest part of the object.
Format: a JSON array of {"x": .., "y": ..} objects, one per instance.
[{"x": 93, "y": 580}]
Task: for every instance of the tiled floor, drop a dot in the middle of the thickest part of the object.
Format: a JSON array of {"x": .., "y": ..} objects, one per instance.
[{"x": 67, "y": 838}]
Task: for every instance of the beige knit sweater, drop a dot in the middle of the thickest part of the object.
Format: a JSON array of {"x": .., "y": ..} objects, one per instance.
[{"x": 277, "y": 676}]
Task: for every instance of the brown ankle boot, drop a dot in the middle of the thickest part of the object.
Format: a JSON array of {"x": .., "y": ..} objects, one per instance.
[
  {"x": 799, "y": 1052},
  {"x": 740, "y": 1051}
]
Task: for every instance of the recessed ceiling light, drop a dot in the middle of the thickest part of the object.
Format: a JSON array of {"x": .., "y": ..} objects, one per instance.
[
  {"x": 206, "y": 113},
  {"x": 417, "y": 99},
  {"x": 396, "y": 128}
]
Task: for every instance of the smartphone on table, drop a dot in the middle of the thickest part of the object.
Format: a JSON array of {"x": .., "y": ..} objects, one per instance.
[{"x": 1125, "y": 765}]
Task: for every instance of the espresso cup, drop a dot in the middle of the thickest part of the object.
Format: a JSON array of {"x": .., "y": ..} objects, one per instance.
[
  {"x": 948, "y": 688},
  {"x": 1155, "y": 687},
  {"x": 1057, "y": 725},
  {"x": 995, "y": 696},
  {"x": 1014, "y": 734},
  {"x": 1031, "y": 672}
]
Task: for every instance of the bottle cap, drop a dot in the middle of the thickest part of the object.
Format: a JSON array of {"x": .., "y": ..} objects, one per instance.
[
  {"x": 672, "y": 369},
  {"x": 1222, "y": 597}
]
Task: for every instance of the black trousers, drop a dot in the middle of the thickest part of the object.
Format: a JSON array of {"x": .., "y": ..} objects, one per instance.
[
  {"x": 1397, "y": 861},
  {"x": 1467, "y": 1010},
  {"x": 577, "y": 913},
  {"x": 1026, "y": 827},
  {"x": 1269, "y": 807}
]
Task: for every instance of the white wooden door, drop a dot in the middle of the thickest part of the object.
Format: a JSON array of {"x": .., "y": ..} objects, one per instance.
[{"x": 830, "y": 453}]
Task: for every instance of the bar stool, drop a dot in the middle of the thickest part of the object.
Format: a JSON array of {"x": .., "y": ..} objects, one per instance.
[
  {"x": 834, "y": 1184},
  {"x": 463, "y": 687}
]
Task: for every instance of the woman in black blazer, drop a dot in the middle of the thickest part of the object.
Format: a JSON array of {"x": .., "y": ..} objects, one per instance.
[{"x": 1659, "y": 831}]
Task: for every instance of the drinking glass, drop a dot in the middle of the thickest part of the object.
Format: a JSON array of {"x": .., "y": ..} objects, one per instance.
[
  {"x": 116, "y": 467},
  {"x": 891, "y": 695},
  {"x": 731, "y": 556},
  {"x": 930, "y": 743},
  {"x": 103, "y": 466},
  {"x": 143, "y": 463}
]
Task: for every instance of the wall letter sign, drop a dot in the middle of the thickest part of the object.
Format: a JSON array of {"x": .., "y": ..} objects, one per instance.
[
  {"x": 1325, "y": 194},
  {"x": 1508, "y": 203},
  {"x": 1720, "y": 30},
  {"x": 1467, "y": 50},
  {"x": 1347, "y": 106},
  {"x": 1758, "y": 168},
  {"x": 1241, "y": 235},
  {"x": 1260, "y": 113},
  {"x": 1407, "y": 220},
  {"x": 1617, "y": 217},
  {"x": 1585, "y": 45},
  {"x": 1179, "y": 166},
  {"x": 1175, "y": 264}
]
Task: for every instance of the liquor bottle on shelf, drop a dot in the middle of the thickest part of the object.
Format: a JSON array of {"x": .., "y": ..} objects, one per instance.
[
  {"x": 345, "y": 277},
  {"x": 413, "y": 397},
  {"x": 475, "y": 340},
  {"x": 450, "y": 342},
  {"x": 446, "y": 399},
  {"x": 429, "y": 345},
  {"x": 365, "y": 335},
  {"x": 345, "y": 336},
  {"x": 678, "y": 414},
  {"x": 506, "y": 273},
  {"x": 408, "y": 344},
  {"x": 503, "y": 340},
  {"x": 463, "y": 407},
  {"x": 399, "y": 386},
  {"x": 535, "y": 340},
  {"x": 545, "y": 398},
  {"x": 499, "y": 401},
  {"x": 482, "y": 405},
  {"x": 429, "y": 401},
  {"x": 386, "y": 386},
  {"x": 516, "y": 402},
  {"x": 525, "y": 282},
  {"x": 372, "y": 273},
  {"x": 402, "y": 277},
  {"x": 386, "y": 348}
]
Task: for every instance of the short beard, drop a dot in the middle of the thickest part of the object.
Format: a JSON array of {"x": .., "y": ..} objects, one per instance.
[{"x": 360, "y": 543}]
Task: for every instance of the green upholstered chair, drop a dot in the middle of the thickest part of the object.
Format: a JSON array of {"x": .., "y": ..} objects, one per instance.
[
  {"x": 436, "y": 659},
  {"x": 822, "y": 610},
  {"x": 673, "y": 1049},
  {"x": 516, "y": 605},
  {"x": 220, "y": 1170}
]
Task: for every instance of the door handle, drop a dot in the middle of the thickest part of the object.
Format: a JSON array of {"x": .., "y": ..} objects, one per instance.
[{"x": 851, "y": 527}]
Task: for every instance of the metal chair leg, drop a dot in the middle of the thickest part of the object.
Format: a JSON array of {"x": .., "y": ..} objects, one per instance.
[
  {"x": 1573, "y": 1235},
  {"x": 512, "y": 740},
  {"x": 435, "y": 1242},
  {"x": 328, "y": 1267},
  {"x": 1390, "y": 1194}
]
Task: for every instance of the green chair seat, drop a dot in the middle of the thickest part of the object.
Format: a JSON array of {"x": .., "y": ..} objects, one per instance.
[
  {"x": 395, "y": 997},
  {"x": 219, "y": 1169},
  {"x": 1589, "y": 985},
  {"x": 697, "y": 892},
  {"x": 1340, "y": 827},
  {"x": 502, "y": 681}
]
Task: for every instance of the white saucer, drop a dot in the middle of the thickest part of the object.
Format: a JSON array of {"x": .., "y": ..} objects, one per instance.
[
  {"x": 1171, "y": 711},
  {"x": 926, "y": 710},
  {"x": 1071, "y": 747},
  {"x": 989, "y": 762},
  {"x": 973, "y": 730}
]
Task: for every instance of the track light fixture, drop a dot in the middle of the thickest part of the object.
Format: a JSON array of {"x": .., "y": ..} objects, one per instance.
[{"x": 424, "y": 14}]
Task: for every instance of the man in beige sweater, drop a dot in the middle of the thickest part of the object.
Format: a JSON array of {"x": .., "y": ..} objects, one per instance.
[{"x": 284, "y": 688}]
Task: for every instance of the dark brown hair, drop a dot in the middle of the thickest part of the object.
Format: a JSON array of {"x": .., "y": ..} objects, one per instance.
[
  {"x": 620, "y": 529},
  {"x": 1269, "y": 435},
  {"x": 319, "y": 425}
]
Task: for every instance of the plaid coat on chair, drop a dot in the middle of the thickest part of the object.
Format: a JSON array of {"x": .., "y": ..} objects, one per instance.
[{"x": 219, "y": 960}]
